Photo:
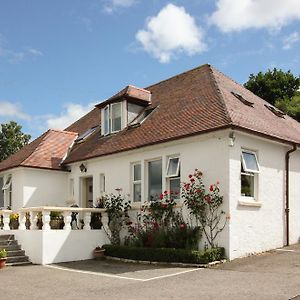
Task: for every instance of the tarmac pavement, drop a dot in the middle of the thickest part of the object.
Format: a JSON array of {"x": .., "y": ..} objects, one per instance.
[{"x": 272, "y": 275}]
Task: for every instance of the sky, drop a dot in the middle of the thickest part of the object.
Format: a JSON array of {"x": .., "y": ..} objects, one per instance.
[{"x": 59, "y": 58}]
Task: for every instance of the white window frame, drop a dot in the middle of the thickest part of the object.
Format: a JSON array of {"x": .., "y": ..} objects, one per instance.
[
  {"x": 168, "y": 165},
  {"x": 7, "y": 188},
  {"x": 106, "y": 131},
  {"x": 252, "y": 173},
  {"x": 111, "y": 119},
  {"x": 148, "y": 177},
  {"x": 174, "y": 176},
  {"x": 136, "y": 182},
  {"x": 244, "y": 163}
]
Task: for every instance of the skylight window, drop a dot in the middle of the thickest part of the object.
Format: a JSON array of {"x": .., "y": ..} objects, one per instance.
[
  {"x": 85, "y": 135},
  {"x": 275, "y": 111},
  {"x": 143, "y": 116},
  {"x": 242, "y": 99}
]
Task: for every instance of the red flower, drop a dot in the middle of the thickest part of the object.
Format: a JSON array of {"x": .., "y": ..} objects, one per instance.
[
  {"x": 163, "y": 205},
  {"x": 161, "y": 196},
  {"x": 211, "y": 188},
  {"x": 207, "y": 198},
  {"x": 192, "y": 180},
  {"x": 181, "y": 226},
  {"x": 166, "y": 192},
  {"x": 199, "y": 191},
  {"x": 190, "y": 176},
  {"x": 186, "y": 186}
]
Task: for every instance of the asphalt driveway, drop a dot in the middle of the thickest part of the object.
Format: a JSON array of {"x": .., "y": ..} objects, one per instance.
[{"x": 272, "y": 275}]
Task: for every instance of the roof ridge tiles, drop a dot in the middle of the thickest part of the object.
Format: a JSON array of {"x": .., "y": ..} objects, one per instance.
[{"x": 219, "y": 92}]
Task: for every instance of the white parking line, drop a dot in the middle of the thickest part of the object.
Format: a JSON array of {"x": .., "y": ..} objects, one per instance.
[
  {"x": 118, "y": 276},
  {"x": 287, "y": 250}
]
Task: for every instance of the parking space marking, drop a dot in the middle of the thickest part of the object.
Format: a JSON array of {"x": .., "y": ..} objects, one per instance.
[
  {"x": 92, "y": 273},
  {"x": 118, "y": 276},
  {"x": 287, "y": 250}
]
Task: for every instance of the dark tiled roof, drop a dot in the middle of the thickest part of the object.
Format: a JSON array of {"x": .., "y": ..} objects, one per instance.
[
  {"x": 46, "y": 152},
  {"x": 194, "y": 102}
]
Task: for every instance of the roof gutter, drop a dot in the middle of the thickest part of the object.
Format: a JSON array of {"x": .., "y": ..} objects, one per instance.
[{"x": 287, "y": 192}]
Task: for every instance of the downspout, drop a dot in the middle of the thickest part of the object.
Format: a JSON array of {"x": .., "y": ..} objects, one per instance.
[{"x": 287, "y": 192}]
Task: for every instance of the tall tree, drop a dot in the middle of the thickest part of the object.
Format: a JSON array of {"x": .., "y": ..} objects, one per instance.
[
  {"x": 12, "y": 139},
  {"x": 273, "y": 85}
]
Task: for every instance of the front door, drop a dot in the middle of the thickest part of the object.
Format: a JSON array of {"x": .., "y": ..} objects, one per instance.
[{"x": 87, "y": 192}]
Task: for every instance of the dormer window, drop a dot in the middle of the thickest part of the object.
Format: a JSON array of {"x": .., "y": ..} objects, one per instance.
[
  {"x": 112, "y": 115},
  {"x": 121, "y": 109},
  {"x": 116, "y": 117}
]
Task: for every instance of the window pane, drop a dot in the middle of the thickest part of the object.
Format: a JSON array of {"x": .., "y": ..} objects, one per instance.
[
  {"x": 106, "y": 120},
  {"x": 250, "y": 161},
  {"x": 172, "y": 166},
  {"x": 137, "y": 172},
  {"x": 116, "y": 117},
  {"x": 175, "y": 188},
  {"x": 155, "y": 179},
  {"x": 247, "y": 185},
  {"x": 137, "y": 192}
]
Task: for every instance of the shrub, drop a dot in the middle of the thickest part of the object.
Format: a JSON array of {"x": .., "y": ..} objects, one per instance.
[
  {"x": 165, "y": 254},
  {"x": 3, "y": 253}
]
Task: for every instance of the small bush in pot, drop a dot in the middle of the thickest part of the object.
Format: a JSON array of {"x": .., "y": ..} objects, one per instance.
[{"x": 3, "y": 257}]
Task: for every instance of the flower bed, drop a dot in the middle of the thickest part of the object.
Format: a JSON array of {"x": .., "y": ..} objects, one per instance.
[{"x": 165, "y": 254}]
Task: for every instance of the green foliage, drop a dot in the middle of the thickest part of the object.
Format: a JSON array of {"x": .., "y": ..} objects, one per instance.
[
  {"x": 12, "y": 139},
  {"x": 273, "y": 85},
  {"x": 160, "y": 226},
  {"x": 3, "y": 253},
  {"x": 165, "y": 254},
  {"x": 204, "y": 206},
  {"x": 290, "y": 107},
  {"x": 117, "y": 211}
]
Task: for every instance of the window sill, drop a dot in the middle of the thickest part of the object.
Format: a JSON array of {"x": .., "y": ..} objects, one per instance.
[{"x": 249, "y": 202}]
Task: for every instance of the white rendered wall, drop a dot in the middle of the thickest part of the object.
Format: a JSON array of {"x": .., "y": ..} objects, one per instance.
[
  {"x": 38, "y": 187},
  {"x": 209, "y": 153},
  {"x": 295, "y": 197},
  {"x": 56, "y": 246},
  {"x": 257, "y": 229}
]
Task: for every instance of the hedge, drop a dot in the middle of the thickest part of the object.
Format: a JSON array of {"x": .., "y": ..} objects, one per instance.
[{"x": 165, "y": 254}]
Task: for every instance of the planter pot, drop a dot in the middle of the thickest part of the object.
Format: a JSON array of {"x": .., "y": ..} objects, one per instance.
[
  {"x": 57, "y": 224},
  {"x": 2, "y": 262},
  {"x": 99, "y": 254}
]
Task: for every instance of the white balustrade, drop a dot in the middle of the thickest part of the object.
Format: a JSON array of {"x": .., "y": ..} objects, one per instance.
[
  {"x": 87, "y": 220},
  {"x": 67, "y": 220},
  {"x": 6, "y": 215},
  {"x": 33, "y": 220},
  {"x": 46, "y": 220},
  {"x": 22, "y": 221}
]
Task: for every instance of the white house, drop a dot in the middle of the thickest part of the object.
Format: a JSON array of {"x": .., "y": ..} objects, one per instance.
[{"x": 198, "y": 119}]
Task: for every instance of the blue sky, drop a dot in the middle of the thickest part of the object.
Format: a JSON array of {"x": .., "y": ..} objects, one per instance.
[{"x": 58, "y": 58}]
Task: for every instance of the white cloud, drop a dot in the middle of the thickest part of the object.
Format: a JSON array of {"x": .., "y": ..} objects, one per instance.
[
  {"x": 112, "y": 5},
  {"x": 244, "y": 14},
  {"x": 17, "y": 56},
  {"x": 12, "y": 110},
  {"x": 70, "y": 114},
  {"x": 172, "y": 31},
  {"x": 290, "y": 40}
]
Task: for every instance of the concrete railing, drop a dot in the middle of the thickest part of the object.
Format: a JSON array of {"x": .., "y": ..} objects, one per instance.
[{"x": 34, "y": 214}]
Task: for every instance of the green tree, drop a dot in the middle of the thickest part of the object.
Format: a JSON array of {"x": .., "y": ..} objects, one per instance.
[
  {"x": 290, "y": 107},
  {"x": 274, "y": 85},
  {"x": 12, "y": 139}
]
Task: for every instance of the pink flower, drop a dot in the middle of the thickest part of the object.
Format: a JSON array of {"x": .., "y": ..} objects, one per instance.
[
  {"x": 218, "y": 182},
  {"x": 181, "y": 226},
  {"x": 186, "y": 186}
]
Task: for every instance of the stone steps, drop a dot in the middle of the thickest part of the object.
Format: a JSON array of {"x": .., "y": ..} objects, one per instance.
[{"x": 15, "y": 255}]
